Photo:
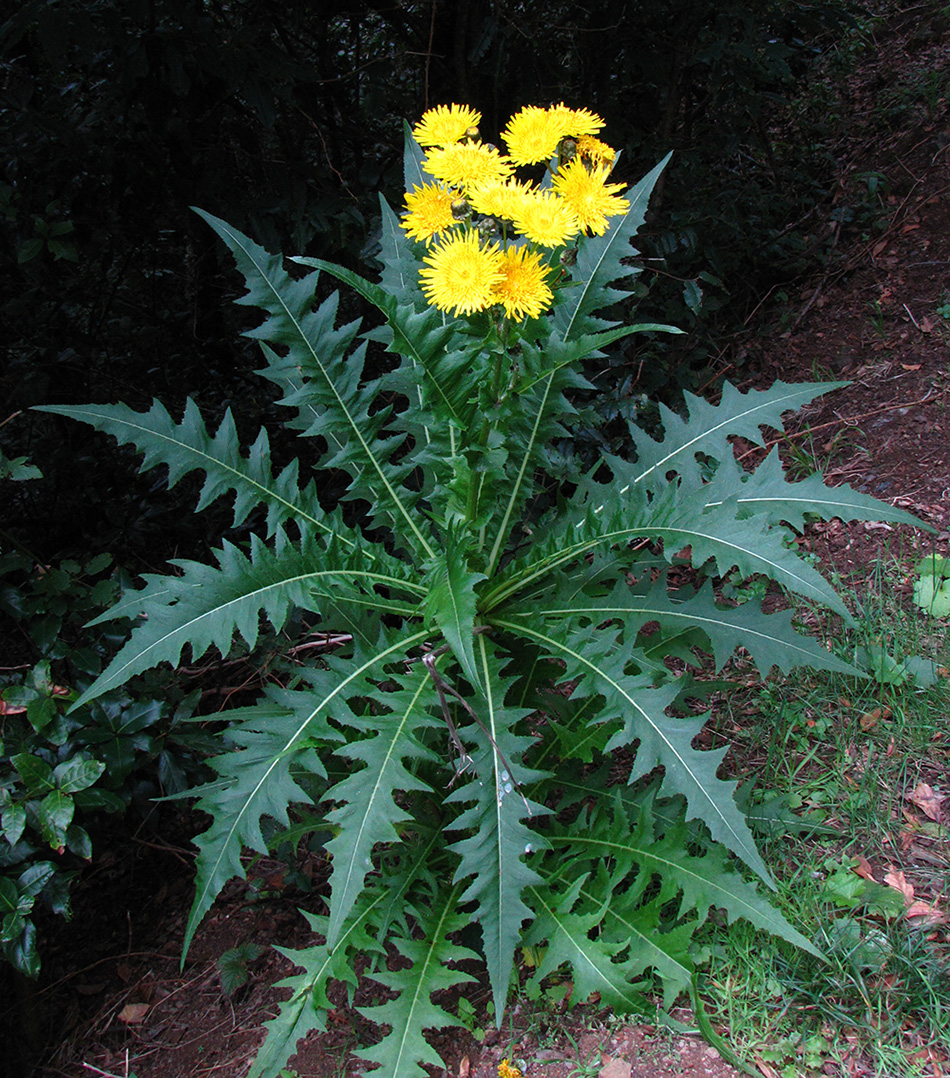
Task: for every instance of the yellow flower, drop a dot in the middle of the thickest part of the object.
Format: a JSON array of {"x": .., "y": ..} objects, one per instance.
[
  {"x": 445, "y": 125},
  {"x": 466, "y": 164},
  {"x": 508, "y": 1070},
  {"x": 595, "y": 151},
  {"x": 430, "y": 212},
  {"x": 546, "y": 219},
  {"x": 463, "y": 276},
  {"x": 532, "y": 135},
  {"x": 589, "y": 195},
  {"x": 524, "y": 291},
  {"x": 577, "y": 121},
  {"x": 501, "y": 199}
]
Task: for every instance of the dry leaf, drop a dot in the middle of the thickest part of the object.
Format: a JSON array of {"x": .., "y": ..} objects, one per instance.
[
  {"x": 895, "y": 879},
  {"x": 880, "y": 247},
  {"x": 864, "y": 869},
  {"x": 870, "y": 719},
  {"x": 464, "y": 1067},
  {"x": 614, "y": 1068},
  {"x": 927, "y": 911},
  {"x": 133, "y": 1013},
  {"x": 911, "y": 366},
  {"x": 927, "y": 801}
]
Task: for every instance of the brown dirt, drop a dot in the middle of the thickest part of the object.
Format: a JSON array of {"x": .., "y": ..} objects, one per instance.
[{"x": 873, "y": 318}]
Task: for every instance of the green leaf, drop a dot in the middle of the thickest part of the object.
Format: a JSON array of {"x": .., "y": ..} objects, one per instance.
[
  {"x": 77, "y": 774},
  {"x": 232, "y": 965},
  {"x": 767, "y": 491},
  {"x": 35, "y": 772},
  {"x": 706, "y": 429},
  {"x": 368, "y": 813},
  {"x": 600, "y": 263},
  {"x": 770, "y": 638},
  {"x": 323, "y": 380},
  {"x": 55, "y": 814},
  {"x": 566, "y": 932},
  {"x": 403, "y": 1049},
  {"x": 205, "y": 606},
  {"x": 13, "y": 822},
  {"x": 256, "y": 780},
  {"x": 663, "y": 741},
  {"x": 186, "y": 447},
  {"x": 492, "y": 856},
  {"x": 451, "y": 600},
  {"x": 308, "y": 1004}
]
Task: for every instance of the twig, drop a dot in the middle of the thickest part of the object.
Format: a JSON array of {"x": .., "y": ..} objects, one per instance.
[
  {"x": 912, "y": 318},
  {"x": 847, "y": 421},
  {"x": 442, "y": 687}
]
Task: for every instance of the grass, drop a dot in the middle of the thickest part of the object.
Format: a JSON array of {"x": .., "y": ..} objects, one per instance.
[{"x": 851, "y": 754}]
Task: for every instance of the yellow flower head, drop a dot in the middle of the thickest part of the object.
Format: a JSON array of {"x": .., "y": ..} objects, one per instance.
[
  {"x": 577, "y": 121},
  {"x": 445, "y": 125},
  {"x": 507, "y": 1069},
  {"x": 595, "y": 151},
  {"x": 501, "y": 199},
  {"x": 532, "y": 135},
  {"x": 588, "y": 194},
  {"x": 462, "y": 275},
  {"x": 524, "y": 291},
  {"x": 466, "y": 165},
  {"x": 546, "y": 219},
  {"x": 430, "y": 212}
]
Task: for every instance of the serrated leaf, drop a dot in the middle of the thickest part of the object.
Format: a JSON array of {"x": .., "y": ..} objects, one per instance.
[
  {"x": 770, "y": 638},
  {"x": 257, "y": 781},
  {"x": 308, "y": 1004},
  {"x": 767, "y": 491},
  {"x": 185, "y": 447},
  {"x": 492, "y": 857},
  {"x": 663, "y": 741},
  {"x": 403, "y": 1050},
  {"x": 600, "y": 263},
  {"x": 452, "y": 600},
  {"x": 205, "y": 606},
  {"x": 368, "y": 813},
  {"x": 323, "y": 379}
]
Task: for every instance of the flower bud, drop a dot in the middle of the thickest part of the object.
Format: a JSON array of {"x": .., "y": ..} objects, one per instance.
[
  {"x": 461, "y": 209},
  {"x": 568, "y": 256}
]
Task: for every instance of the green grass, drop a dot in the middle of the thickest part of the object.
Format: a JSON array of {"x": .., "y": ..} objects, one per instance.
[{"x": 849, "y": 753}]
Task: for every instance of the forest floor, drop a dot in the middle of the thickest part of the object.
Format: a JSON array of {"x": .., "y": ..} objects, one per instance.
[{"x": 878, "y": 317}]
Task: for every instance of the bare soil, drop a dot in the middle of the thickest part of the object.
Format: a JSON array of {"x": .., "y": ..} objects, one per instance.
[{"x": 118, "y": 1004}]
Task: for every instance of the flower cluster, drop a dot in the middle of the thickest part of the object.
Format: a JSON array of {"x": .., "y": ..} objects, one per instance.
[
  {"x": 493, "y": 238},
  {"x": 506, "y": 1069}
]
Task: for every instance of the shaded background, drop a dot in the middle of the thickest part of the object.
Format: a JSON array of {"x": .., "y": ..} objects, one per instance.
[{"x": 117, "y": 115}]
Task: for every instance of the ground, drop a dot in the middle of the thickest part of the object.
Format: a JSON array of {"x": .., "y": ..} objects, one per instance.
[{"x": 878, "y": 316}]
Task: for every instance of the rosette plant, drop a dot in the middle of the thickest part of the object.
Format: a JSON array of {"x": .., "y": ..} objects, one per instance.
[{"x": 498, "y": 749}]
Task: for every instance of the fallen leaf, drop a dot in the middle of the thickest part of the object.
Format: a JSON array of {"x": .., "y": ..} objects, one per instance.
[
  {"x": 133, "y": 1013},
  {"x": 880, "y": 247},
  {"x": 464, "y": 1067},
  {"x": 870, "y": 719},
  {"x": 927, "y": 800},
  {"x": 614, "y": 1068},
  {"x": 864, "y": 869},
  {"x": 911, "y": 366},
  {"x": 926, "y": 326},
  {"x": 927, "y": 911},
  {"x": 895, "y": 879}
]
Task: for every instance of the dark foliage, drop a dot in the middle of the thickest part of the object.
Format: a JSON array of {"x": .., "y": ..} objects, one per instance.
[{"x": 286, "y": 119}]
